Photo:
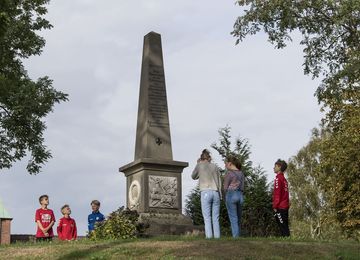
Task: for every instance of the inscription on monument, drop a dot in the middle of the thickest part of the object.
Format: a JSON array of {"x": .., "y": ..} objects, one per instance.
[
  {"x": 157, "y": 97},
  {"x": 163, "y": 192}
]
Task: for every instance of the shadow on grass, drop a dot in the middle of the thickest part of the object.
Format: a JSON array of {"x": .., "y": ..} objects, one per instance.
[
  {"x": 96, "y": 249},
  {"x": 266, "y": 249}
]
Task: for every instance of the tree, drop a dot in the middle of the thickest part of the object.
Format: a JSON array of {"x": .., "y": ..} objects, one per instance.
[
  {"x": 340, "y": 161},
  {"x": 23, "y": 102},
  {"x": 311, "y": 215},
  {"x": 321, "y": 201},
  {"x": 257, "y": 216},
  {"x": 193, "y": 206},
  {"x": 331, "y": 38}
]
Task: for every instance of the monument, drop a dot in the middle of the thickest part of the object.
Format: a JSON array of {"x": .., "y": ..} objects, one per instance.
[{"x": 153, "y": 179}]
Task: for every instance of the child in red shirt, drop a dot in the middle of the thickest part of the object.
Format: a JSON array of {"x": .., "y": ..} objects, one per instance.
[
  {"x": 67, "y": 227},
  {"x": 281, "y": 198},
  {"x": 45, "y": 220}
]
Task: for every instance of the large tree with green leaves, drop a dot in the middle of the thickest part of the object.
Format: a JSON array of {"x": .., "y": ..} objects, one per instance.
[
  {"x": 330, "y": 33},
  {"x": 257, "y": 216},
  {"x": 310, "y": 215},
  {"x": 24, "y": 103},
  {"x": 340, "y": 163},
  {"x": 330, "y": 36}
]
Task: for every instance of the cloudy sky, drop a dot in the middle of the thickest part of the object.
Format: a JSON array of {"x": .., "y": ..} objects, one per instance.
[{"x": 94, "y": 52}]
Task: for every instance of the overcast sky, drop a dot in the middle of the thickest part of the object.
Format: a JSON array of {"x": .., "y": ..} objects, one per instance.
[{"x": 94, "y": 52}]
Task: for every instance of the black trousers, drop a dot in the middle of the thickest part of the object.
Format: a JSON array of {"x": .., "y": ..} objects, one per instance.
[{"x": 282, "y": 219}]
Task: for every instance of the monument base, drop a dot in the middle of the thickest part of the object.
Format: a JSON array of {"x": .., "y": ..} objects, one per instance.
[{"x": 168, "y": 224}]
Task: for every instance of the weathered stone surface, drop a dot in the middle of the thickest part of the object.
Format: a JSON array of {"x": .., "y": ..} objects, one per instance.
[
  {"x": 153, "y": 179},
  {"x": 168, "y": 224},
  {"x": 153, "y": 128},
  {"x": 154, "y": 185}
]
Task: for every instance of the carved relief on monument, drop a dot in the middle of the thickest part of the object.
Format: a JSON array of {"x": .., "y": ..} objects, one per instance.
[
  {"x": 163, "y": 192},
  {"x": 134, "y": 194}
]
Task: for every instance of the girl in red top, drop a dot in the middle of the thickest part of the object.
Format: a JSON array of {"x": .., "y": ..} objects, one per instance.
[
  {"x": 67, "y": 227},
  {"x": 281, "y": 198}
]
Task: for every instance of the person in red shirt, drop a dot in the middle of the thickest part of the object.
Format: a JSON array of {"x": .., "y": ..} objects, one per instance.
[
  {"x": 67, "y": 227},
  {"x": 281, "y": 198},
  {"x": 45, "y": 220}
]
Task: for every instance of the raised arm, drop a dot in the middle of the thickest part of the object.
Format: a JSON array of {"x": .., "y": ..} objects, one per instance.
[{"x": 195, "y": 173}]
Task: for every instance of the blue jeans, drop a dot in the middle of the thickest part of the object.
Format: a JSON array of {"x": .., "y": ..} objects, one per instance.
[
  {"x": 234, "y": 201},
  {"x": 210, "y": 207}
]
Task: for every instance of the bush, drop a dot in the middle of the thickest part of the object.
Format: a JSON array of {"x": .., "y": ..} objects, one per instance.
[
  {"x": 302, "y": 229},
  {"x": 120, "y": 224}
]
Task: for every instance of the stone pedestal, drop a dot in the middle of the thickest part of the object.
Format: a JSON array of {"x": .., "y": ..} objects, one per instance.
[
  {"x": 154, "y": 185},
  {"x": 167, "y": 224},
  {"x": 153, "y": 188}
]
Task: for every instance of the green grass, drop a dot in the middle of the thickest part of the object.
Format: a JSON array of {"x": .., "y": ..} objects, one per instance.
[{"x": 181, "y": 247}]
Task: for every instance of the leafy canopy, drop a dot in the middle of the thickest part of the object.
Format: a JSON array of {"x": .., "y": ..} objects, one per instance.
[
  {"x": 325, "y": 183},
  {"x": 23, "y": 102},
  {"x": 330, "y": 35},
  {"x": 311, "y": 216}
]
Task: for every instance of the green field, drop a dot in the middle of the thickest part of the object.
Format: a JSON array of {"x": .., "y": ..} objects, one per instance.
[{"x": 175, "y": 247}]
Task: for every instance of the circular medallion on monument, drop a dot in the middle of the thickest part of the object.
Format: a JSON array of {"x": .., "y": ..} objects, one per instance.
[{"x": 134, "y": 194}]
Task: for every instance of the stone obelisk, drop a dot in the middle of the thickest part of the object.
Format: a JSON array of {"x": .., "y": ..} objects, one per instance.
[{"x": 153, "y": 179}]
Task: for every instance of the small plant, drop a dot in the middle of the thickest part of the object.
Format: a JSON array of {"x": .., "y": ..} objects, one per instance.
[{"x": 120, "y": 224}]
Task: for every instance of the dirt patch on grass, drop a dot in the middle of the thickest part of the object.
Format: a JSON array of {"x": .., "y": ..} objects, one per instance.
[{"x": 162, "y": 244}]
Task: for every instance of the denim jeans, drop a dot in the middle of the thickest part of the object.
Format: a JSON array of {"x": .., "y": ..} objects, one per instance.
[
  {"x": 234, "y": 201},
  {"x": 210, "y": 207}
]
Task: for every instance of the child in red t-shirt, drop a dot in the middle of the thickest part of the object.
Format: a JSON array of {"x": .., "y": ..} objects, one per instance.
[
  {"x": 45, "y": 220},
  {"x": 67, "y": 227}
]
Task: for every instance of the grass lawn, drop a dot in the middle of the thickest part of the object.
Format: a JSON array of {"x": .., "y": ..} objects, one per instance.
[{"x": 179, "y": 247}]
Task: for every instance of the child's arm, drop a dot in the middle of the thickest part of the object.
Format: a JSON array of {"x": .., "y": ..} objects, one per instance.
[
  {"x": 89, "y": 223},
  {"x": 59, "y": 230},
  {"x": 38, "y": 223},
  {"x": 52, "y": 221},
  {"x": 195, "y": 173},
  {"x": 276, "y": 195},
  {"x": 75, "y": 232},
  {"x": 50, "y": 226}
]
